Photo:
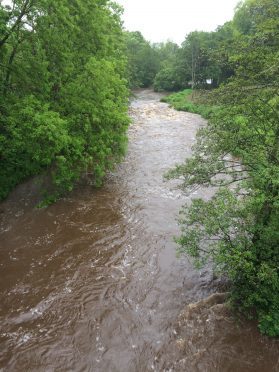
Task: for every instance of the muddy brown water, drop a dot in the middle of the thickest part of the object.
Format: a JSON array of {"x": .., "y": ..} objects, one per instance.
[{"x": 92, "y": 283}]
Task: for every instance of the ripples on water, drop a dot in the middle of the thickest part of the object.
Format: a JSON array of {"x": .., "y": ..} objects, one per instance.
[{"x": 92, "y": 283}]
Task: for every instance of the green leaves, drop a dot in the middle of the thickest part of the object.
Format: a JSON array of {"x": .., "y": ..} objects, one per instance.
[
  {"x": 64, "y": 98},
  {"x": 185, "y": 101},
  {"x": 238, "y": 152},
  {"x": 143, "y": 60}
]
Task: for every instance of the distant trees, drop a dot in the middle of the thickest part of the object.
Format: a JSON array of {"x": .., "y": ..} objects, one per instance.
[
  {"x": 202, "y": 56},
  {"x": 63, "y": 98},
  {"x": 143, "y": 60},
  {"x": 166, "y": 66},
  {"x": 150, "y": 64},
  {"x": 168, "y": 77}
]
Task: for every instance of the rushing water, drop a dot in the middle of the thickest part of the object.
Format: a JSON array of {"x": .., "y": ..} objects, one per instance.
[{"x": 92, "y": 283}]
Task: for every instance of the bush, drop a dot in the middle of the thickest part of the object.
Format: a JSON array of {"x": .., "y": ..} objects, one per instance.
[
  {"x": 166, "y": 80},
  {"x": 183, "y": 101}
]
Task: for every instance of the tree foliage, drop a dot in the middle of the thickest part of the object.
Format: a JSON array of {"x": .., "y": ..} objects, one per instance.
[
  {"x": 63, "y": 95},
  {"x": 238, "y": 153},
  {"x": 143, "y": 60},
  {"x": 202, "y": 56},
  {"x": 151, "y": 64},
  {"x": 167, "y": 77}
]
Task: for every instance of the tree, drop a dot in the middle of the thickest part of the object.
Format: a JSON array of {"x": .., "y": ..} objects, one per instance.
[
  {"x": 143, "y": 60},
  {"x": 238, "y": 152},
  {"x": 168, "y": 77},
  {"x": 64, "y": 94}
]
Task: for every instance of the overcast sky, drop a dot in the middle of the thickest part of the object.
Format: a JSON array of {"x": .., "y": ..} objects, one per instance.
[{"x": 160, "y": 20}]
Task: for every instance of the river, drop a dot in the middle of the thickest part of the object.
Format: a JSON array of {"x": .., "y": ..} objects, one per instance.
[{"x": 92, "y": 283}]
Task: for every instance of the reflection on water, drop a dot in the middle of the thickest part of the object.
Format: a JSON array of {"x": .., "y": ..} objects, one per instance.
[{"x": 92, "y": 283}]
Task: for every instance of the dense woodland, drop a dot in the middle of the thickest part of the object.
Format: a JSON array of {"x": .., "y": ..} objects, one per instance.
[{"x": 65, "y": 72}]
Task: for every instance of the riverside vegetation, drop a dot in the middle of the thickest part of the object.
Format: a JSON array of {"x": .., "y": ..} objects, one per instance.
[
  {"x": 64, "y": 96},
  {"x": 64, "y": 76},
  {"x": 238, "y": 153}
]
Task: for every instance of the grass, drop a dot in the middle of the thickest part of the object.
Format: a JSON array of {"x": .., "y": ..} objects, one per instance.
[{"x": 190, "y": 101}]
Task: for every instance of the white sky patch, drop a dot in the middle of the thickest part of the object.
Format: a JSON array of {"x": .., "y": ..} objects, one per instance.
[
  {"x": 5, "y": 2},
  {"x": 161, "y": 20}
]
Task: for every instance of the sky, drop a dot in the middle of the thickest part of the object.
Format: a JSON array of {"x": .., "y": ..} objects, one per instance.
[{"x": 162, "y": 20}]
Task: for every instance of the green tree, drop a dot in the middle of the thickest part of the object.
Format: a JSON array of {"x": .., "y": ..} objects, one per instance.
[
  {"x": 168, "y": 77},
  {"x": 238, "y": 153},
  {"x": 143, "y": 60},
  {"x": 64, "y": 94}
]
